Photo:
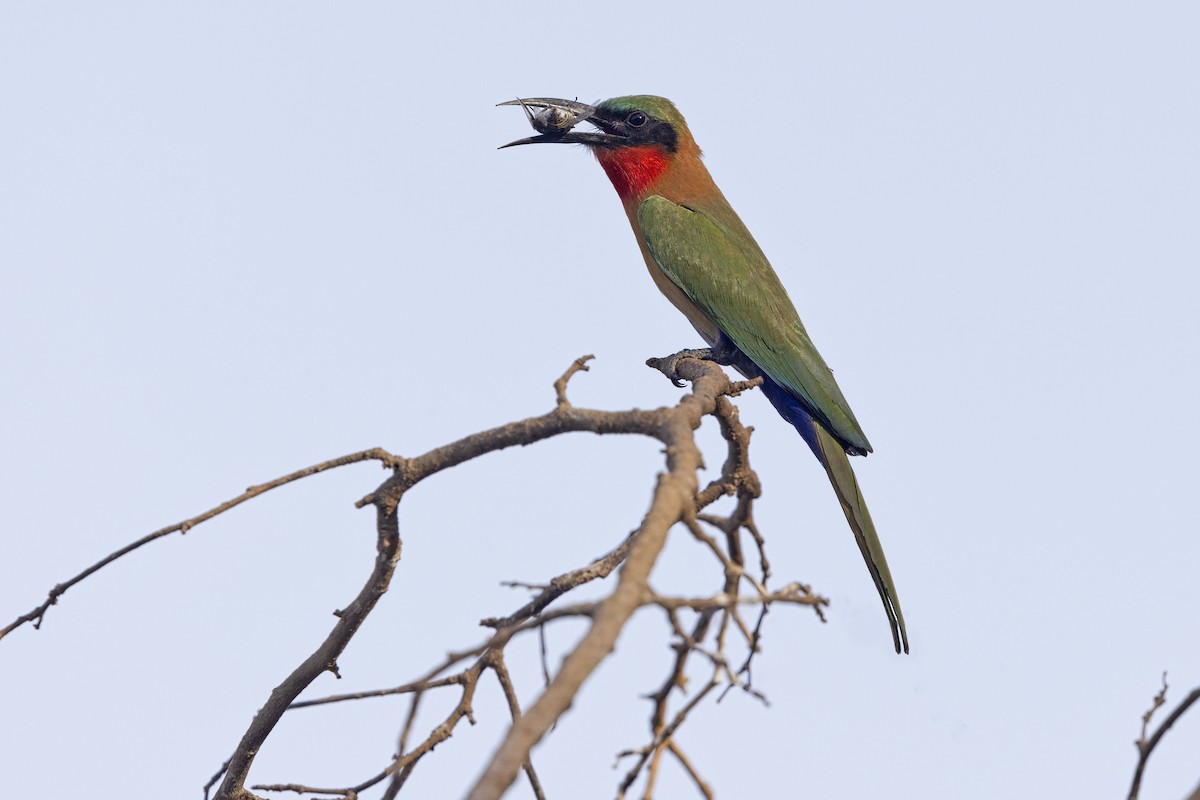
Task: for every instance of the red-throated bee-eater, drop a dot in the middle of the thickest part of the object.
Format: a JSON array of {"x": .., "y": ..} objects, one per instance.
[{"x": 702, "y": 257}]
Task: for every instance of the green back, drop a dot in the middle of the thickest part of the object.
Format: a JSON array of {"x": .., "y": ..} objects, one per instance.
[{"x": 715, "y": 261}]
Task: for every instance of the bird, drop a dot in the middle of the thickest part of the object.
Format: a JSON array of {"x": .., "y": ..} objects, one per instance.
[{"x": 703, "y": 258}]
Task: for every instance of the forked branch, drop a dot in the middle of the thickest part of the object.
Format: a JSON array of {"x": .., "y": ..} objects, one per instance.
[{"x": 677, "y": 498}]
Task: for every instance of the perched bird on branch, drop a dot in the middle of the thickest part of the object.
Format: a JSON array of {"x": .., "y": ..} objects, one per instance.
[{"x": 702, "y": 257}]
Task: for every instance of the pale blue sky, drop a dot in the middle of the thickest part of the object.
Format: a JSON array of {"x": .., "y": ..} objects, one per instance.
[{"x": 240, "y": 238}]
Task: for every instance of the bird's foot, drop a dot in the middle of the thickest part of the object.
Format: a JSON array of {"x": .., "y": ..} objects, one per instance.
[
  {"x": 669, "y": 365},
  {"x": 725, "y": 352}
]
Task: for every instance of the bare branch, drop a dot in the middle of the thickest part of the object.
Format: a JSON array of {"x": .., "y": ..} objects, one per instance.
[
  {"x": 600, "y": 568},
  {"x": 560, "y": 385},
  {"x": 36, "y": 615},
  {"x": 673, "y": 500},
  {"x": 514, "y": 707},
  {"x": 387, "y": 556},
  {"x": 795, "y": 593},
  {"x": 408, "y": 688},
  {"x": 349, "y": 794},
  {"x": 1160, "y": 700},
  {"x": 667, "y": 732},
  {"x": 677, "y": 498},
  {"x": 704, "y": 788},
  {"x": 1146, "y": 747},
  {"x": 213, "y": 780}
]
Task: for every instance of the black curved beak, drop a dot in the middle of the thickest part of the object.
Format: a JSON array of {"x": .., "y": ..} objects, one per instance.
[{"x": 554, "y": 119}]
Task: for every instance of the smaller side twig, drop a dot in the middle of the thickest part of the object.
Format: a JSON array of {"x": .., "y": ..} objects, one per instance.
[
  {"x": 37, "y": 615},
  {"x": 1146, "y": 746},
  {"x": 600, "y": 568},
  {"x": 704, "y": 788},
  {"x": 408, "y": 688},
  {"x": 1160, "y": 700},
  {"x": 560, "y": 385},
  {"x": 349, "y": 794},
  {"x": 216, "y": 777},
  {"x": 514, "y": 708}
]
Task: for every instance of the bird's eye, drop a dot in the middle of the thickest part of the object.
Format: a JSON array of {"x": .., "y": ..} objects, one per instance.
[{"x": 636, "y": 120}]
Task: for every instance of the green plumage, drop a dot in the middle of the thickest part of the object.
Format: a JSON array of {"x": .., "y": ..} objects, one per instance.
[
  {"x": 706, "y": 263},
  {"x": 841, "y": 475},
  {"x": 713, "y": 259},
  {"x": 736, "y": 288},
  {"x": 657, "y": 107}
]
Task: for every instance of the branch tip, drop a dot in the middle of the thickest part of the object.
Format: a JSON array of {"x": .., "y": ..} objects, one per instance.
[
  {"x": 560, "y": 385},
  {"x": 737, "y": 387},
  {"x": 1146, "y": 746}
]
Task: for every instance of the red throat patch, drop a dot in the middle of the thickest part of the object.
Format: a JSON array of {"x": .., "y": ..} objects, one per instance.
[{"x": 633, "y": 170}]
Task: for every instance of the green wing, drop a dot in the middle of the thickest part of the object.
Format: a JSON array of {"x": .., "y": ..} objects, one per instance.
[{"x": 729, "y": 279}]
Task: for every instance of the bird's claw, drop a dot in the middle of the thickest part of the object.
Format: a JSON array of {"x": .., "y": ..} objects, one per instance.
[{"x": 669, "y": 366}]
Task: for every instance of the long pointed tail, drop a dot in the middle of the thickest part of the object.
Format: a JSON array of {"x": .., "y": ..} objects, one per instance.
[
  {"x": 833, "y": 457},
  {"x": 837, "y": 466}
]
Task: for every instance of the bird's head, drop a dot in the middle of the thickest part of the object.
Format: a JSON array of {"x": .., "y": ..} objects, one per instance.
[{"x": 637, "y": 138}]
